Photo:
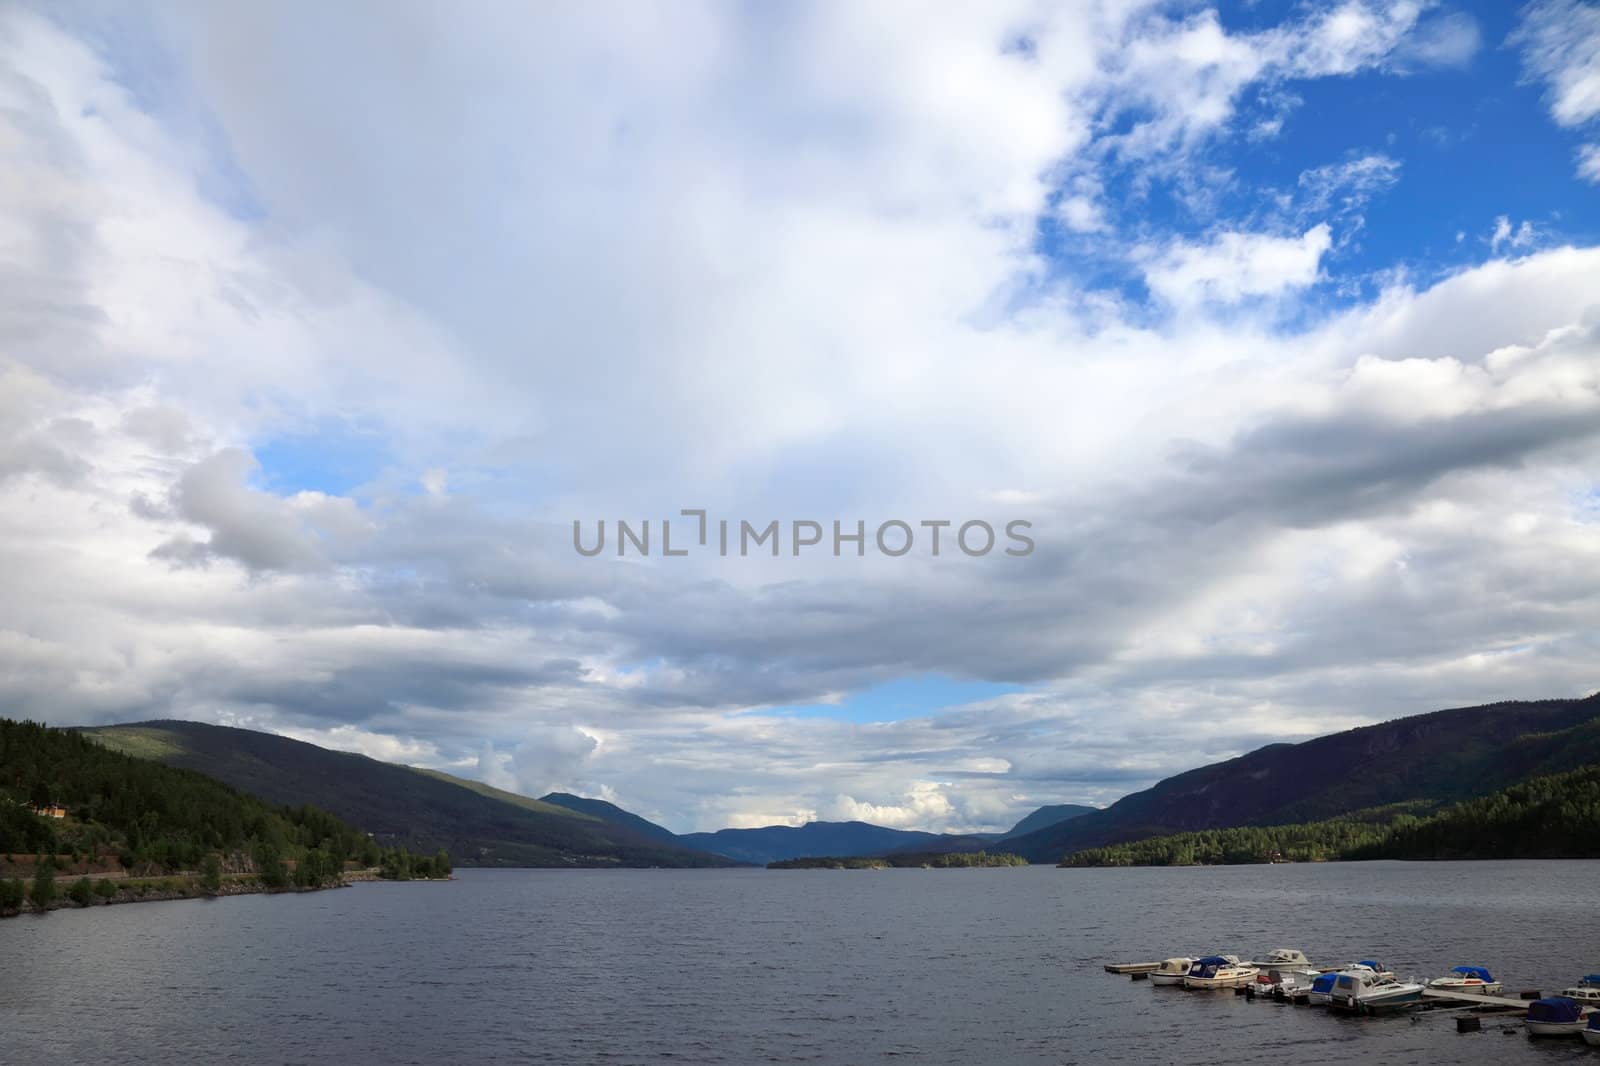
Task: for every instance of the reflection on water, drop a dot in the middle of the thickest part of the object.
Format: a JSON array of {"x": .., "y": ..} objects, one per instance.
[{"x": 745, "y": 966}]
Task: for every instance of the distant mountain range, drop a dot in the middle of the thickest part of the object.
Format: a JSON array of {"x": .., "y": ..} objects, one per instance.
[
  {"x": 775, "y": 843},
  {"x": 480, "y": 825},
  {"x": 422, "y": 810},
  {"x": 1426, "y": 761},
  {"x": 1440, "y": 758}
]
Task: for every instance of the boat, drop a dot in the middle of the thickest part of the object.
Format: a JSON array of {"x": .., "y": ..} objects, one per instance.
[
  {"x": 1554, "y": 1016},
  {"x": 1219, "y": 971},
  {"x": 1171, "y": 971},
  {"x": 1474, "y": 979},
  {"x": 1287, "y": 983},
  {"x": 1586, "y": 991},
  {"x": 1369, "y": 989},
  {"x": 1375, "y": 967},
  {"x": 1284, "y": 959},
  {"x": 1591, "y": 1035},
  {"x": 1322, "y": 989}
]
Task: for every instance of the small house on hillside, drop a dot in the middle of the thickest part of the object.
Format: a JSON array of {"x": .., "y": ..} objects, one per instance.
[{"x": 48, "y": 811}]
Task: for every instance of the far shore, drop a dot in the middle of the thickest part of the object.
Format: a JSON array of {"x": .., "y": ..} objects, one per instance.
[{"x": 182, "y": 885}]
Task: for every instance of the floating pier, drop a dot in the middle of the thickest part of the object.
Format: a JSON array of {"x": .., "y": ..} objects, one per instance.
[{"x": 1131, "y": 967}]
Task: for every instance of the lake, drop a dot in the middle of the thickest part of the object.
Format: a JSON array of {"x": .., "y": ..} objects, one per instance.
[{"x": 752, "y": 966}]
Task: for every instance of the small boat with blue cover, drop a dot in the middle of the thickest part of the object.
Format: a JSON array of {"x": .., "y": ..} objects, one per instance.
[
  {"x": 1322, "y": 989},
  {"x": 1554, "y": 1016},
  {"x": 1219, "y": 971},
  {"x": 1591, "y": 1035},
  {"x": 1474, "y": 979}
]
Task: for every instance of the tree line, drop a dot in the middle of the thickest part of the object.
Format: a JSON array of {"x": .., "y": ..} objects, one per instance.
[
  {"x": 155, "y": 818},
  {"x": 1555, "y": 816}
]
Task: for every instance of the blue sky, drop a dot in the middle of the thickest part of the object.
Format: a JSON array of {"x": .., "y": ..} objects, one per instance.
[{"x": 321, "y": 327}]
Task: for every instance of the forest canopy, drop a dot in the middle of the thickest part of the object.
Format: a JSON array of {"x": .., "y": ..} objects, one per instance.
[{"x": 155, "y": 817}]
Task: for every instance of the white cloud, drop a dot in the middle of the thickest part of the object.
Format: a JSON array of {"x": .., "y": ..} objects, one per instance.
[
  {"x": 1516, "y": 237},
  {"x": 1236, "y": 266},
  {"x": 1445, "y": 39},
  {"x": 1560, "y": 42},
  {"x": 1348, "y": 186},
  {"x": 923, "y": 804},
  {"x": 573, "y": 267},
  {"x": 1589, "y": 162}
]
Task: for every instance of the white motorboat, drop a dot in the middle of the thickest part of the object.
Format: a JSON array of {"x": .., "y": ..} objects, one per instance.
[
  {"x": 1471, "y": 979},
  {"x": 1586, "y": 991},
  {"x": 1171, "y": 971},
  {"x": 1554, "y": 1016},
  {"x": 1219, "y": 971},
  {"x": 1286, "y": 983},
  {"x": 1283, "y": 959},
  {"x": 1363, "y": 989}
]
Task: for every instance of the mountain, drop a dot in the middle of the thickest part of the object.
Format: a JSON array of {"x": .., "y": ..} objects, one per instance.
[
  {"x": 422, "y": 810},
  {"x": 95, "y": 809},
  {"x": 1551, "y": 817},
  {"x": 1443, "y": 757},
  {"x": 610, "y": 812},
  {"x": 1047, "y": 816},
  {"x": 775, "y": 843}
]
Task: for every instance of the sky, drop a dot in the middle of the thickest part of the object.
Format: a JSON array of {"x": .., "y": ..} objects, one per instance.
[{"x": 321, "y": 326}]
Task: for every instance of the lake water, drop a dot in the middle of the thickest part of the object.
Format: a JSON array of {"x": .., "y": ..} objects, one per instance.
[{"x": 753, "y": 966}]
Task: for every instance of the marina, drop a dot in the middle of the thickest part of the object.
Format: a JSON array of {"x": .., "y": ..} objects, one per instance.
[{"x": 1367, "y": 988}]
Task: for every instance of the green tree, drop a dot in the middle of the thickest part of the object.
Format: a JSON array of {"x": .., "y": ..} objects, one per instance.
[
  {"x": 44, "y": 885},
  {"x": 81, "y": 892},
  {"x": 211, "y": 875},
  {"x": 270, "y": 865}
]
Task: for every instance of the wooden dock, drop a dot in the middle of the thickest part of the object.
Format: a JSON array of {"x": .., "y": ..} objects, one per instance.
[
  {"x": 1131, "y": 967},
  {"x": 1473, "y": 999}
]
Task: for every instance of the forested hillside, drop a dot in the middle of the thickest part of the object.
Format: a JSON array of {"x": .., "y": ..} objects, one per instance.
[
  {"x": 1555, "y": 816},
  {"x": 1443, "y": 757},
  {"x": 400, "y": 805},
  {"x": 151, "y": 818}
]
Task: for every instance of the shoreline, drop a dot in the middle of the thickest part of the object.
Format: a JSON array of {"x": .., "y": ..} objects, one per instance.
[{"x": 183, "y": 886}]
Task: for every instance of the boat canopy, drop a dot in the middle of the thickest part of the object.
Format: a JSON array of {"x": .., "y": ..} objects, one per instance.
[
  {"x": 1473, "y": 971},
  {"x": 1370, "y": 965},
  {"x": 1594, "y": 1020},
  {"x": 1213, "y": 960},
  {"x": 1323, "y": 982},
  {"x": 1591, "y": 979},
  {"x": 1554, "y": 1009}
]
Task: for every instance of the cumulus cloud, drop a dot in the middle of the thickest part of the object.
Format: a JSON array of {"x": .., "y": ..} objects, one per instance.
[
  {"x": 813, "y": 289},
  {"x": 1236, "y": 266}
]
